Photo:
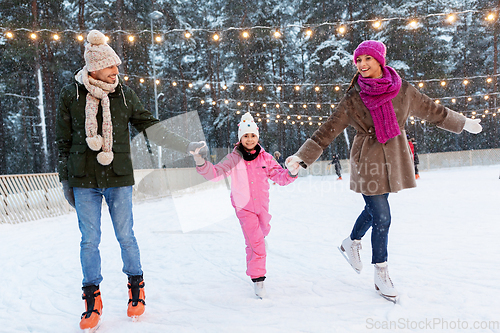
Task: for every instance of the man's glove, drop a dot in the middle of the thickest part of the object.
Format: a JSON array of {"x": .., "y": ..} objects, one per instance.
[
  {"x": 472, "y": 125},
  {"x": 68, "y": 193},
  {"x": 199, "y": 151},
  {"x": 292, "y": 164}
]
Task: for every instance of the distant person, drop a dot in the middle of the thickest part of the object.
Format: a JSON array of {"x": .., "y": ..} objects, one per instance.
[
  {"x": 249, "y": 167},
  {"x": 279, "y": 158},
  {"x": 412, "y": 142},
  {"x": 93, "y": 138},
  {"x": 336, "y": 162},
  {"x": 377, "y": 104}
]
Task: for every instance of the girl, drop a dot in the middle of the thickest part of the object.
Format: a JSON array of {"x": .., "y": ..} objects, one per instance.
[
  {"x": 377, "y": 104},
  {"x": 249, "y": 167}
]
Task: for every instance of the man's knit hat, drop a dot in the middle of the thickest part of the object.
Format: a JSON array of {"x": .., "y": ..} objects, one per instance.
[
  {"x": 373, "y": 48},
  {"x": 98, "y": 54},
  {"x": 247, "y": 125}
]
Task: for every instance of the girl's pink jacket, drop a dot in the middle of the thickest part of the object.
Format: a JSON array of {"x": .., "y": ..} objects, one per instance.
[{"x": 249, "y": 179}]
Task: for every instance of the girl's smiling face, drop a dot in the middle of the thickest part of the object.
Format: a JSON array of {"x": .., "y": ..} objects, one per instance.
[
  {"x": 249, "y": 141},
  {"x": 368, "y": 66}
]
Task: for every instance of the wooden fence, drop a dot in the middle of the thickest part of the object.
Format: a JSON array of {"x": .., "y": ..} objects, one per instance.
[{"x": 31, "y": 197}]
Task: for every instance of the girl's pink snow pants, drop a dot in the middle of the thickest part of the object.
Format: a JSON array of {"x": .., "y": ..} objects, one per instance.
[{"x": 255, "y": 227}]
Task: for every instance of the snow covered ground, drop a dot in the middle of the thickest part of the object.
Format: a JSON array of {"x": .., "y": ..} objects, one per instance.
[{"x": 444, "y": 253}]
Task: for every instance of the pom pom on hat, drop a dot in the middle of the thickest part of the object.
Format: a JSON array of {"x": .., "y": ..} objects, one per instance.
[
  {"x": 96, "y": 37},
  {"x": 372, "y": 48},
  {"x": 247, "y": 125},
  {"x": 98, "y": 54}
]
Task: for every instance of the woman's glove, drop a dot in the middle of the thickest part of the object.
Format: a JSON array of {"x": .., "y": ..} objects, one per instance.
[
  {"x": 68, "y": 193},
  {"x": 472, "y": 125},
  {"x": 199, "y": 151},
  {"x": 292, "y": 164}
]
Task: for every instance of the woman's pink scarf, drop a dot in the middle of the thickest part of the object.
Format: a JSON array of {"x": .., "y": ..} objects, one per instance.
[{"x": 377, "y": 95}]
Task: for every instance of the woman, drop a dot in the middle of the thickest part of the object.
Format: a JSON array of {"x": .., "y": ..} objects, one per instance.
[{"x": 377, "y": 104}]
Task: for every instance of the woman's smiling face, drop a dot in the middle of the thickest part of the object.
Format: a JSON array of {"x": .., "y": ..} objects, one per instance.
[{"x": 368, "y": 66}]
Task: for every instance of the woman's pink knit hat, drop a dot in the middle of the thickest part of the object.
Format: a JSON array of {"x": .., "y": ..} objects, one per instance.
[{"x": 373, "y": 48}]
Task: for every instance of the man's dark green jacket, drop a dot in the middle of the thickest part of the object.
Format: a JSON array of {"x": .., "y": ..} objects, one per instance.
[{"x": 78, "y": 163}]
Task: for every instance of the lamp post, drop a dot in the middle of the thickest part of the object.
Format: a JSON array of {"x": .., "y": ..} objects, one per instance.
[{"x": 155, "y": 16}]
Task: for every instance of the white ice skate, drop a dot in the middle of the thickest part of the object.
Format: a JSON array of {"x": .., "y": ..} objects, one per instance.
[
  {"x": 383, "y": 283},
  {"x": 260, "y": 290},
  {"x": 350, "y": 250}
]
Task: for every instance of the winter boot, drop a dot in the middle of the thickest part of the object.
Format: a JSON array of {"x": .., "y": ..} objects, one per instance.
[
  {"x": 383, "y": 283},
  {"x": 136, "y": 295},
  {"x": 259, "y": 288},
  {"x": 93, "y": 306},
  {"x": 350, "y": 250}
]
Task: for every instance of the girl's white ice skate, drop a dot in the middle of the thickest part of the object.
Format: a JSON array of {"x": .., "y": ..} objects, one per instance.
[{"x": 260, "y": 290}]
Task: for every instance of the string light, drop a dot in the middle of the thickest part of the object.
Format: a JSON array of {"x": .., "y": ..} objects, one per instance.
[
  {"x": 342, "y": 29},
  {"x": 131, "y": 38},
  {"x": 216, "y": 37},
  {"x": 80, "y": 38},
  {"x": 33, "y": 36},
  {"x": 377, "y": 24},
  {"x": 413, "y": 24},
  {"x": 9, "y": 35},
  {"x": 158, "y": 39},
  {"x": 55, "y": 36},
  {"x": 187, "y": 34}
]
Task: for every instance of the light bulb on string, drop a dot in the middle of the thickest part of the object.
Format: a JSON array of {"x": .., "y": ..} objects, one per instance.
[
  {"x": 9, "y": 35},
  {"x": 413, "y": 24},
  {"x": 158, "y": 39},
  {"x": 245, "y": 34},
  {"x": 55, "y": 37},
  {"x": 490, "y": 17},
  {"x": 188, "y": 35},
  {"x": 421, "y": 85},
  {"x": 216, "y": 37},
  {"x": 174, "y": 84},
  {"x": 131, "y": 38},
  {"x": 141, "y": 80},
  {"x": 342, "y": 29},
  {"x": 277, "y": 34},
  {"x": 33, "y": 36},
  {"x": 451, "y": 18},
  {"x": 309, "y": 32},
  {"x": 377, "y": 24},
  {"x": 190, "y": 85},
  {"x": 465, "y": 82},
  {"x": 80, "y": 38}
]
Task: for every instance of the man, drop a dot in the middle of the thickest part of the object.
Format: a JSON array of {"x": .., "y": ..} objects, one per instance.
[
  {"x": 94, "y": 162},
  {"x": 335, "y": 161}
]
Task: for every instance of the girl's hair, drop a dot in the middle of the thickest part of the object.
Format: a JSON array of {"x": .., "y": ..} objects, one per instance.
[{"x": 353, "y": 81}]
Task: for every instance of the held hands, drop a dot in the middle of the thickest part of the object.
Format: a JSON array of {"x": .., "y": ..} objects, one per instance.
[
  {"x": 472, "y": 126},
  {"x": 68, "y": 193},
  {"x": 292, "y": 164},
  {"x": 199, "y": 151}
]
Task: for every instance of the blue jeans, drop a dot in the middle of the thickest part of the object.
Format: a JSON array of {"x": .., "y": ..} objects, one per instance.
[
  {"x": 377, "y": 214},
  {"x": 88, "y": 208}
]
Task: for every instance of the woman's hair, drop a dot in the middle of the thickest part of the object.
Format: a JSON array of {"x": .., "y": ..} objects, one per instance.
[{"x": 353, "y": 81}]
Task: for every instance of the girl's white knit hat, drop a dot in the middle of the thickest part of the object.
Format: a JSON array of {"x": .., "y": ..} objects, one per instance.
[
  {"x": 247, "y": 125},
  {"x": 98, "y": 54}
]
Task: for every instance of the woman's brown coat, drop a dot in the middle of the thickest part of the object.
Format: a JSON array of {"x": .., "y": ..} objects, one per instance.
[{"x": 378, "y": 168}]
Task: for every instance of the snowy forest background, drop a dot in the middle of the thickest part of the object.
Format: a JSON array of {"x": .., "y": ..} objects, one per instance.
[{"x": 435, "y": 50}]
